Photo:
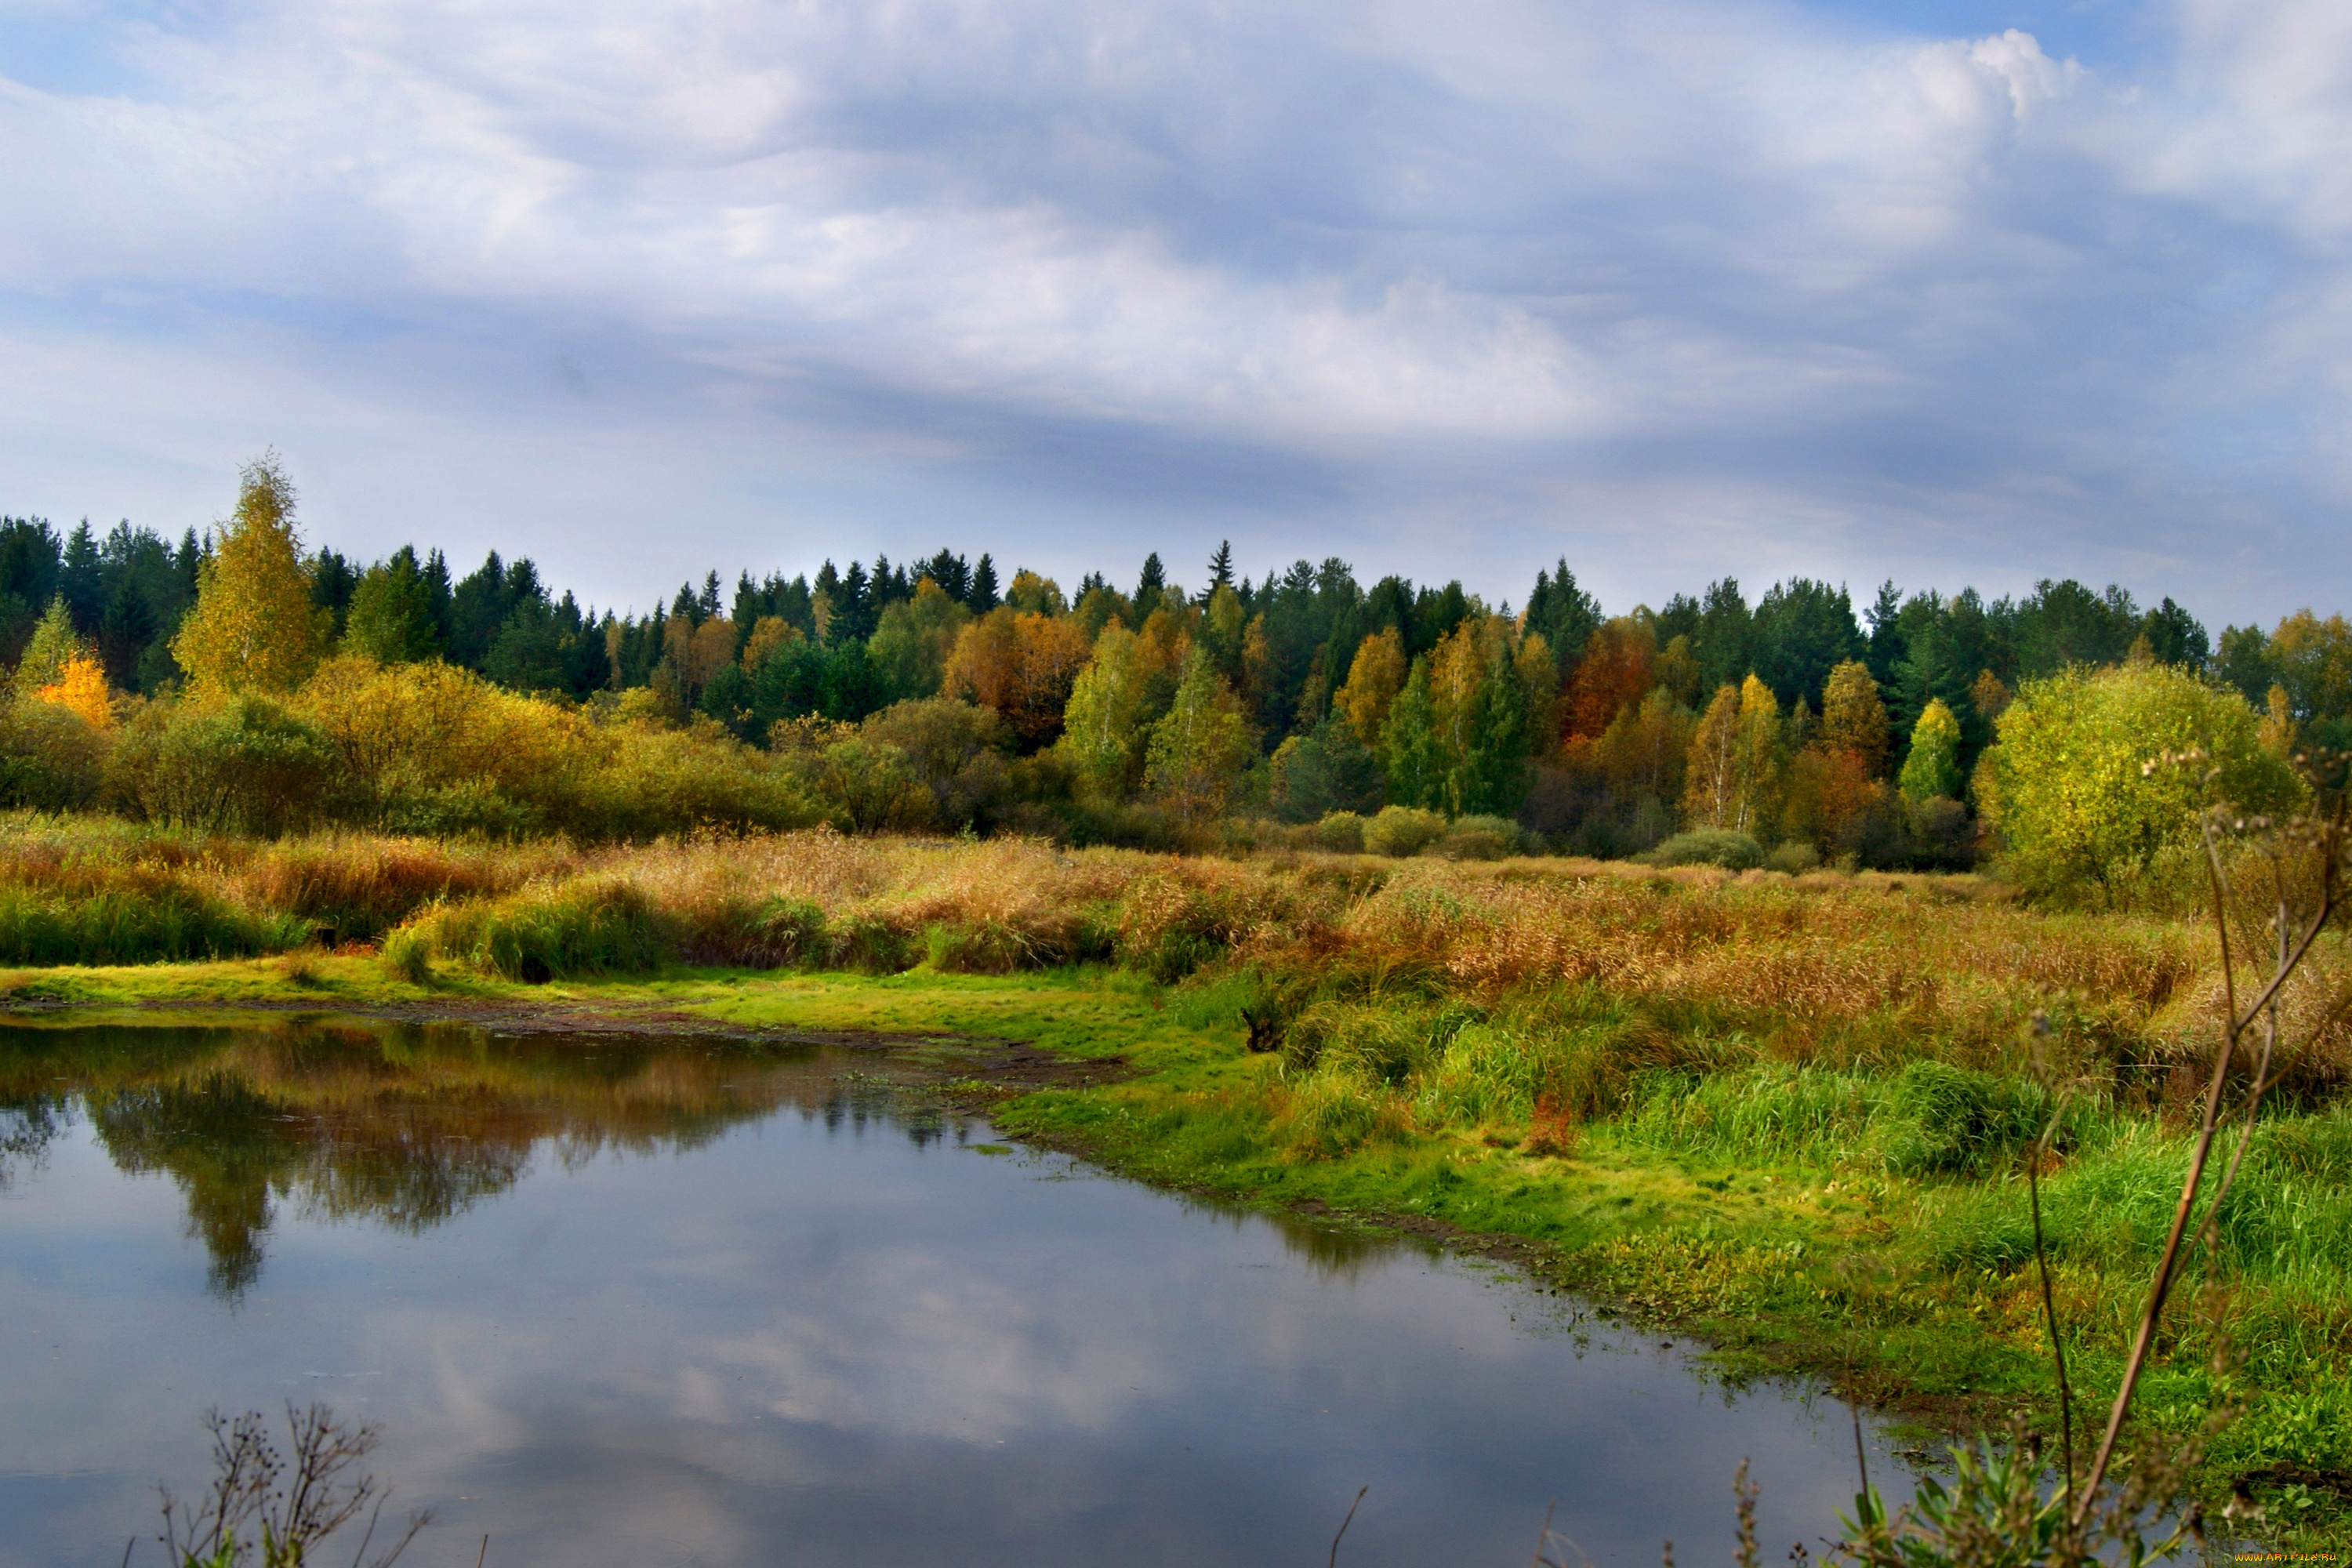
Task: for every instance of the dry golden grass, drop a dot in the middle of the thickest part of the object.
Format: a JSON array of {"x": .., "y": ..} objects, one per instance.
[{"x": 1820, "y": 967}]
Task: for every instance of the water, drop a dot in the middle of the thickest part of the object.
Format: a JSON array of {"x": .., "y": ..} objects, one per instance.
[{"x": 693, "y": 1302}]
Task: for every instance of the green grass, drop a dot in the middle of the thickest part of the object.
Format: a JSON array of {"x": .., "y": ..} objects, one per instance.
[{"x": 1862, "y": 1220}]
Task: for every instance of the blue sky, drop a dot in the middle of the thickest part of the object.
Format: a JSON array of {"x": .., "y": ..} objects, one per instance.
[{"x": 1948, "y": 293}]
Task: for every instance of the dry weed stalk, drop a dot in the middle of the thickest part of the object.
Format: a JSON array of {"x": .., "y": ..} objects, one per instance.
[{"x": 296, "y": 1511}]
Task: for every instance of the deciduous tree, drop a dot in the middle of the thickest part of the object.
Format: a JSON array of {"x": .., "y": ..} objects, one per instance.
[{"x": 252, "y": 627}]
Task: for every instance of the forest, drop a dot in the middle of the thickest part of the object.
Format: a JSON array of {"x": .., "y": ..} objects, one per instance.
[
  {"x": 1854, "y": 915},
  {"x": 239, "y": 681}
]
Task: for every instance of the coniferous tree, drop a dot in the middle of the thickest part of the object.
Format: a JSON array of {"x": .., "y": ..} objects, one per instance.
[
  {"x": 1221, "y": 566},
  {"x": 1884, "y": 649},
  {"x": 982, "y": 596},
  {"x": 391, "y": 616},
  {"x": 1803, "y": 629},
  {"x": 81, "y": 579},
  {"x": 954, "y": 578},
  {"x": 1565, "y": 614},
  {"x": 1491, "y": 777}
]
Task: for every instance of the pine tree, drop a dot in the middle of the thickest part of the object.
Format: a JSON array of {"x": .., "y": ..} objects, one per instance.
[
  {"x": 252, "y": 627},
  {"x": 1492, "y": 777},
  {"x": 1221, "y": 566},
  {"x": 81, "y": 579}
]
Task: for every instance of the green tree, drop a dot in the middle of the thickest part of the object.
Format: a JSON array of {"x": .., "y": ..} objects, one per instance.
[
  {"x": 1933, "y": 766},
  {"x": 1327, "y": 770},
  {"x": 1490, "y": 777},
  {"x": 252, "y": 627},
  {"x": 1200, "y": 747},
  {"x": 1103, "y": 733},
  {"x": 911, "y": 643},
  {"x": 1409, "y": 743},
  {"x": 53, "y": 645},
  {"x": 2070, "y": 784},
  {"x": 391, "y": 617}
]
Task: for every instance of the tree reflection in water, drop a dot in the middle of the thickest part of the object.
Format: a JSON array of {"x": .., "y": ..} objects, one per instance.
[{"x": 400, "y": 1125}]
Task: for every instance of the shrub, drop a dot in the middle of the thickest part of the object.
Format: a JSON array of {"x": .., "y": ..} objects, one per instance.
[
  {"x": 1480, "y": 838},
  {"x": 248, "y": 766},
  {"x": 1402, "y": 830},
  {"x": 1341, "y": 833},
  {"x": 1793, "y": 859},
  {"x": 51, "y": 758},
  {"x": 869, "y": 942},
  {"x": 1315, "y": 776},
  {"x": 1724, "y": 846}
]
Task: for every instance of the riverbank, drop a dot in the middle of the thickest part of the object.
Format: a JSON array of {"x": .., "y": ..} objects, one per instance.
[{"x": 1860, "y": 1222}]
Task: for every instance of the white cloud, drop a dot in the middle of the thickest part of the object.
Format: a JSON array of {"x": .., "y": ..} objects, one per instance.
[{"x": 1069, "y": 262}]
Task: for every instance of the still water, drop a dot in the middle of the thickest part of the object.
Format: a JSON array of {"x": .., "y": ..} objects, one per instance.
[{"x": 696, "y": 1301}]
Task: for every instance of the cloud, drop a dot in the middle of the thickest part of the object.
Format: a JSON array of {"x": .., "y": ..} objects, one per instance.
[{"x": 1073, "y": 279}]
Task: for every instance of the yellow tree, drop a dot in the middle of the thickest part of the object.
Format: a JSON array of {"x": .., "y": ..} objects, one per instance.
[
  {"x": 1374, "y": 678},
  {"x": 1853, "y": 716},
  {"x": 252, "y": 627},
  {"x": 1759, "y": 754},
  {"x": 80, "y": 689},
  {"x": 1711, "y": 779}
]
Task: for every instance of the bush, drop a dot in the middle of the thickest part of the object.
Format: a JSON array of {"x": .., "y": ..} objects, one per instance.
[
  {"x": 1723, "y": 846},
  {"x": 1942, "y": 836},
  {"x": 248, "y": 766},
  {"x": 1402, "y": 830},
  {"x": 1480, "y": 838},
  {"x": 1341, "y": 833},
  {"x": 1793, "y": 859},
  {"x": 51, "y": 758},
  {"x": 870, "y": 943}
]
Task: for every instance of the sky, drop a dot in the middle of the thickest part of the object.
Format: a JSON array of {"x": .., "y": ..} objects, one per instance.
[{"x": 1947, "y": 292}]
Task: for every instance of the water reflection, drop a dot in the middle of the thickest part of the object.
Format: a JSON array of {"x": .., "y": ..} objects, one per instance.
[
  {"x": 403, "y": 1125},
  {"x": 621, "y": 1301}
]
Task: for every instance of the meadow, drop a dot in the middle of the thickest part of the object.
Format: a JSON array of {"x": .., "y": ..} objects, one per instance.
[{"x": 1789, "y": 1112}]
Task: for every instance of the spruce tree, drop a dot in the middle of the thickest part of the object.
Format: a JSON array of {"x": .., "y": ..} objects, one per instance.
[{"x": 983, "y": 595}]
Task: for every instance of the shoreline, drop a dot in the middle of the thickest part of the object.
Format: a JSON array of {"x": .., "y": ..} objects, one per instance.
[{"x": 1134, "y": 1076}]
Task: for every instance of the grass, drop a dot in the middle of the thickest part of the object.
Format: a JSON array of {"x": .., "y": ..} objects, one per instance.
[{"x": 1784, "y": 1112}]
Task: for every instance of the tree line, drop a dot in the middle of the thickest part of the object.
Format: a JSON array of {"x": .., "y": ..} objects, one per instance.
[{"x": 1298, "y": 694}]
